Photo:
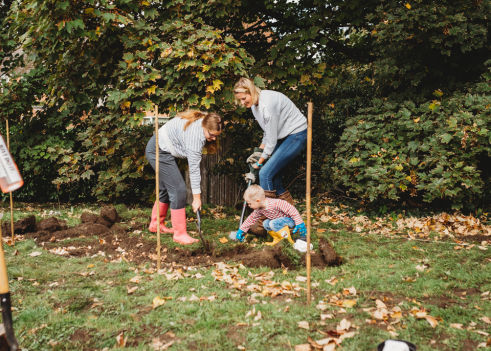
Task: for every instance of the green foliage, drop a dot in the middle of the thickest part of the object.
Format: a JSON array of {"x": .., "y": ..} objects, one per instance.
[
  {"x": 420, "y": 46},
  {"x": 95, "y": 68},
  {"x": 435, "y": 151},
  {"x": 103, "y": 65}
]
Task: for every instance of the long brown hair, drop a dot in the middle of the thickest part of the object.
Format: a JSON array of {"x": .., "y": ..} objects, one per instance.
[{"x": 211, "y": 121}]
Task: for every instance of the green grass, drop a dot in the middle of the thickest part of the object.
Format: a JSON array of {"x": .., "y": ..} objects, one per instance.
[{"x": 83, "y": 303}]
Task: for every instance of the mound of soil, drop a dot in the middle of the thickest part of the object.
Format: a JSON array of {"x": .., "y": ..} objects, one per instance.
[{"x": 113, "y": 241}]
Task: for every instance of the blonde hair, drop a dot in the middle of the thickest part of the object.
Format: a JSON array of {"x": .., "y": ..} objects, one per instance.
[
  {"x": 211, "y": 120},
  {"x": 245, "y": 85},
  {"x": 254, "y": 192}
]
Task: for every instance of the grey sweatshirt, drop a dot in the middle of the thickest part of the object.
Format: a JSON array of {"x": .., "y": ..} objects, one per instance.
[
  {"x": 278, "y": 117},
  {"x": 185, "y": 144}
]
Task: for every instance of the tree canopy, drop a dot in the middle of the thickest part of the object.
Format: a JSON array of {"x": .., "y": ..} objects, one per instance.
[{"x": 92, "y": 69}]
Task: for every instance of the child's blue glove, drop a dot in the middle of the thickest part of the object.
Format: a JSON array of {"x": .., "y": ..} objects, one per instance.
[
  {"x": 301, "y": 230},
  {"x": 238, "y": 235}
]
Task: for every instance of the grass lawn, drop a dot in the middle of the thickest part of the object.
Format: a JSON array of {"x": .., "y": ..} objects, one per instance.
[{"x": 433, "y": 292}]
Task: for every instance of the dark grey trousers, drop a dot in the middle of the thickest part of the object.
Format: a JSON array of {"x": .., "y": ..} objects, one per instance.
[{"x": 172, "y": 187}]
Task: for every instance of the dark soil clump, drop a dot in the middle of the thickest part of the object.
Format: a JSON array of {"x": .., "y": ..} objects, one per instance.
[
  {"x": 104, "y": 236},
  {"x": 51, "y": 224},
  {"x": 22, "y": 226},
  {"x": 327, "y": 254}
]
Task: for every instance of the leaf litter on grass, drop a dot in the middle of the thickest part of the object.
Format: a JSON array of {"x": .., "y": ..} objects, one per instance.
[
  {"x": 457, "y": 227},
  {"x": 258, "y": 286}
]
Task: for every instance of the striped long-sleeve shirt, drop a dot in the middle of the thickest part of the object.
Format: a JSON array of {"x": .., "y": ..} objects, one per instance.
[
  {"x": 275, "y": 208},
  {"x": 185, "y": 144},
  {"x": 278, "y": 117}
]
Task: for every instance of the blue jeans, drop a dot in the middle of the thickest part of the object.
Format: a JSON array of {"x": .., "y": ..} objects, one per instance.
[
  {"x": 278, "y": 223},
  {"x": 285, "y": 151}
]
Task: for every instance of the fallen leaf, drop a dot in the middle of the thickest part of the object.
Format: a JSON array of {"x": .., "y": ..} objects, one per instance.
[
  {"x": 332, "y": 281},
  {"x": 348, "y": 303},
  {"x": 223, "y": 240},
  {"x": 322, "y": 305},
  {"x": 136, "y": 279},
  {"x": 326, "y": 316},
  {"x": 326, "y": 341},
  {"x": 432, "y": 320},
  {"x": 158, "y": 301},
  {"x": 34, "y": 330},
  {"x": 456, "y": 326},
  {"x": 35, "y": 253},
  {"x": 158, "y": 345},
  {"x": 343, "y": 325},
  {"x": 303, "y": 347},
  {"x": 303, "y": 325},
  {"x": 131, "y": 290},
  {"x": 349, "y": 291},
  {"x": 194, "y": 298},
  {"x": 121, "y": 340}
]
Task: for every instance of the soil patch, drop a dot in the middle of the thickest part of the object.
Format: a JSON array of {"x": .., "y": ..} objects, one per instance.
[
  {"x": 105, "y": 236},
  {"x": 83, "y": 338},
  {"x": 237, "y": 334}
]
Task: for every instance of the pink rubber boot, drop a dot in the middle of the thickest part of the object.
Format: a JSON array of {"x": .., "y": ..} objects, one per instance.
[
  {"x": 162, "y": 208},
  {"x": 179, "y": 224}
]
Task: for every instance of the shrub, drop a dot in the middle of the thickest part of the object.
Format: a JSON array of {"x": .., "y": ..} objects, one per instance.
[{"x": 437, "y": 150}]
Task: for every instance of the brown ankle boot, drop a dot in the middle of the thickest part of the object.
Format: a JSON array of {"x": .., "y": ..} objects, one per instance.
[
  {"x": 257, "y": 228},
  {"x": 287, "y": 197}
]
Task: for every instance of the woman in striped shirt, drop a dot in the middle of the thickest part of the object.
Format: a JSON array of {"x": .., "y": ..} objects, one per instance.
[{"x": 184, "y": 136}]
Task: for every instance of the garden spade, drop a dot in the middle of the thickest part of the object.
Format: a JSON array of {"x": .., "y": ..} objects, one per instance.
[
  {"x": 251, "y": 178},
  {"x": 198, "y": 223}
]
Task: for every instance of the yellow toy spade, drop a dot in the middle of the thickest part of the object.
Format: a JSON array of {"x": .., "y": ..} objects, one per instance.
[{"x": 283, "y": 233}]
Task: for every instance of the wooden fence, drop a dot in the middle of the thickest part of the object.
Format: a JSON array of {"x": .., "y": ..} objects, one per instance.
[{"x": 217, "y": 189}]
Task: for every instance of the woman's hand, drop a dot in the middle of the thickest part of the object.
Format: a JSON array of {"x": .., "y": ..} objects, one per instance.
[
  {"x": 258, "y": 164},
  {"x": 196, "y": 202}
]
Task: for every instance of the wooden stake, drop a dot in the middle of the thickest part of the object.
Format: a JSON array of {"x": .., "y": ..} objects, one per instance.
[
  {"x": 4, "y": 282},
  {"x": 10, "y": 193},
  {"x": 309, "y": 164},
  {"x": 156, "y": 120}
]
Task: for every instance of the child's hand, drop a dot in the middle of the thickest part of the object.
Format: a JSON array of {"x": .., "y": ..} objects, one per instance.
[
  {"x": 239, "y": 235},
  {"x": 300, "y": 229}
]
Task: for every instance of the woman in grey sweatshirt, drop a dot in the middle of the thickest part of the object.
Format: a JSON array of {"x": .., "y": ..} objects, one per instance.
[{"x": 284, "y": 138}]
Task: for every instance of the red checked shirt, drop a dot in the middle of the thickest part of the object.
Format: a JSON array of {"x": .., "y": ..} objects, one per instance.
[{"x": 275, "y": 208}]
